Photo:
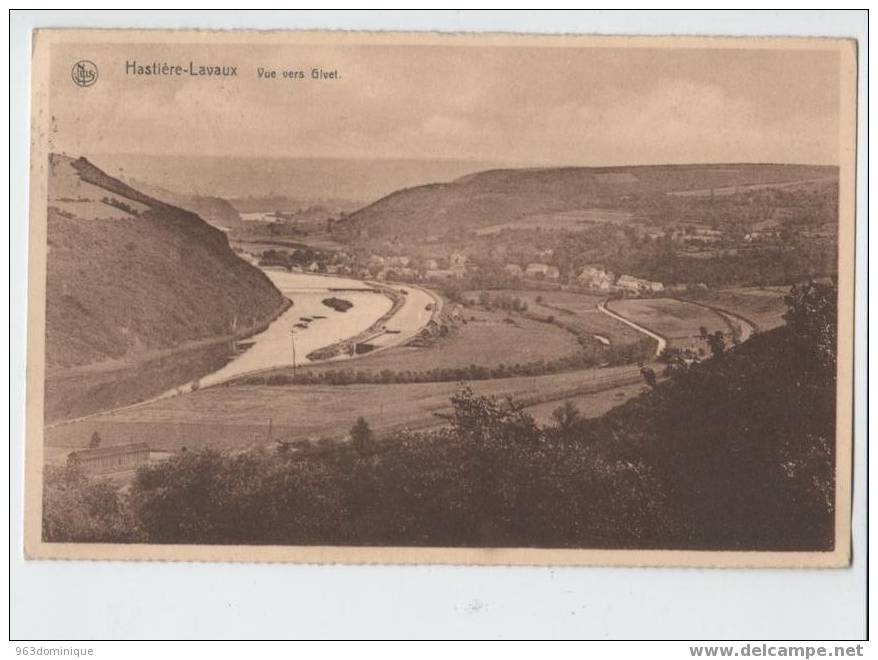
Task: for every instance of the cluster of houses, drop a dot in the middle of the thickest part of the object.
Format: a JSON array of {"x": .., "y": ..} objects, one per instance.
[
  {"x": 534, "y": 271},
  {"x": 696, "y": 234},
  {"x": 457, "y": 265},
  {"x": 599, "y": 278},
  {"x": 596, "y": 278}
]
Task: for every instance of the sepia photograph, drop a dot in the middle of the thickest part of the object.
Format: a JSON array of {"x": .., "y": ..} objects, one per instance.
[{"x": 432, "y": 298}]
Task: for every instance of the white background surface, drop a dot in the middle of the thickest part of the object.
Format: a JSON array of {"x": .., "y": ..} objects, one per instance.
[{"x": 102, "y": 600}]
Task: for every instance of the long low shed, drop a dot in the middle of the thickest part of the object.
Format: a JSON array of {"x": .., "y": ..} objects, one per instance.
[{"x": 115, "y": 458}]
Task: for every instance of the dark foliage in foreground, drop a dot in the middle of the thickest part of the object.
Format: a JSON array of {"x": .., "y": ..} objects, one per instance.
[
  {"x": 744, "y": 444},
  {"x": 736, "y": 452}
]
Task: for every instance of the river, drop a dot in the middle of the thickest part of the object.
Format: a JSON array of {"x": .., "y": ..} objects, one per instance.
[{"x": 315, "y": 325}]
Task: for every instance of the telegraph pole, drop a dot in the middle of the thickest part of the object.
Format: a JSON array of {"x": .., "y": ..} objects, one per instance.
[{"x": 293, "y": 346}]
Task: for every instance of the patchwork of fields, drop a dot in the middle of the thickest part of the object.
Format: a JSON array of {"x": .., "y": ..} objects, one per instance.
[{"x": 677, "y": 321}]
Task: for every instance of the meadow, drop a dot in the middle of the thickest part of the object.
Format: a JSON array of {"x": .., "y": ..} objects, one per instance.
[
  {"x": 762, "y": 306},
  {"x": 483, "y": 338},
  {"x": 237, "y": 417},
  {"x": 581, "y": 310},
  {"x": 675, "y": 320}
]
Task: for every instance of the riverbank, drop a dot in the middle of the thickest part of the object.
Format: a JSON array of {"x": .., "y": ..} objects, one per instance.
[
  {"x": 109, "y": 385},
  {"x": 348, "y": 346}
]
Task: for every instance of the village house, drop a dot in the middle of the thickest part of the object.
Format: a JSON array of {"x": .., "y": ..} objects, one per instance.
[
  {"x": 458, "y": 261},
  {"x": 431, "y": 264},
  {"x": 703, "y": 235},
  {"x": 690, "y": 232},
  {"x": 534, "y": 270},
  {"x": 444, "y": 274},
  {"x": 700, "y": 238},
  {"x": 638, "y": 285},
  {"x": 596, "y": 277},
  {"x": 512, "y": 269},
  {"x": 760, "y": 235},
  {"x": 115, "y": 458},
  {"x": 403, "y": 261},
  {"x": 400, "y": 273},
  {"x": 542, "y": 271}
]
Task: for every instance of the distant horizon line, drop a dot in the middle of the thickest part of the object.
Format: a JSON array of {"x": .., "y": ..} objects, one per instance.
[{"x": 495, "y": 164}]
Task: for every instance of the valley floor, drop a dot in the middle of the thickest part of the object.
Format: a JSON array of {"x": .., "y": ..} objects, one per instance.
[{"x": 234, "y": 416}]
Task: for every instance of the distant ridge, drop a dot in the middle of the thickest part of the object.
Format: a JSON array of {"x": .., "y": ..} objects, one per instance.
[
  {"x": 215, "y": 211},
  {"x": 499, "y": 196}
]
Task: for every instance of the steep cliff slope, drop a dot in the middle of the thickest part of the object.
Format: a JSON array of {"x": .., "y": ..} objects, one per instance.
[{"x": 130, "y": 276}]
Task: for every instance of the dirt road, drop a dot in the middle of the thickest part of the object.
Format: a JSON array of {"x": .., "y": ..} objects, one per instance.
[{"x": 662, "y": 342}]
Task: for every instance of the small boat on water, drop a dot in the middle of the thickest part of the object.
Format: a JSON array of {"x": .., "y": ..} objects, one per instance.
[
  {"x": 306, "y": 319},
  {"x": 303, "y": 326},
  {"x": 338, "y": 304}
]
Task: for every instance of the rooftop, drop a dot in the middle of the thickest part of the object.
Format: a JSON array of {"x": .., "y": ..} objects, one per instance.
[{"x": 112, "y": 450}]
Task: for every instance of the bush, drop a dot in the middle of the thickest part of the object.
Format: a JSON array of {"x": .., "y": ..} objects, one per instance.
[
  {"x": 82, "y": 510},
  {"x": 361, "y": 435}
]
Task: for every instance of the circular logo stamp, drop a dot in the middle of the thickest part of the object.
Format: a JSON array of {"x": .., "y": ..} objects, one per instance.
[{"x": 84, "y": 73}]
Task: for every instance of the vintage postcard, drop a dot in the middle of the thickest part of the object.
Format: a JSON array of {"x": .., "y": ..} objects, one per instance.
[{"x": 434, "y": 298}]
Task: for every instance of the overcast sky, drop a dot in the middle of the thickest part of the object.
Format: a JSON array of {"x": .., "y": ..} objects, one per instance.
[{"x": 538, "y": 106}]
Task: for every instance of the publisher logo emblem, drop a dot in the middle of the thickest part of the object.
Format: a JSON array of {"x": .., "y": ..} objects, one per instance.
[{"x": 84, "y": 73}]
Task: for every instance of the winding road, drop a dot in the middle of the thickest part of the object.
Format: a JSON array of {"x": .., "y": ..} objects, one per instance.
[{"x": 662, "y": 342}]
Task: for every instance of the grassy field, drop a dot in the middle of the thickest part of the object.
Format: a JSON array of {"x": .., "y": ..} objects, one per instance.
[
  {"x": 87, "y": 392},
  {"x": 590, "y": 405},
  {"x": 677, "y": 321},
  {"x": 764, "y": 307},
  {"x": 233, "y": 417},
  {"x": 485, "y": 339},
  {"x": 582, "y": 310}
]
